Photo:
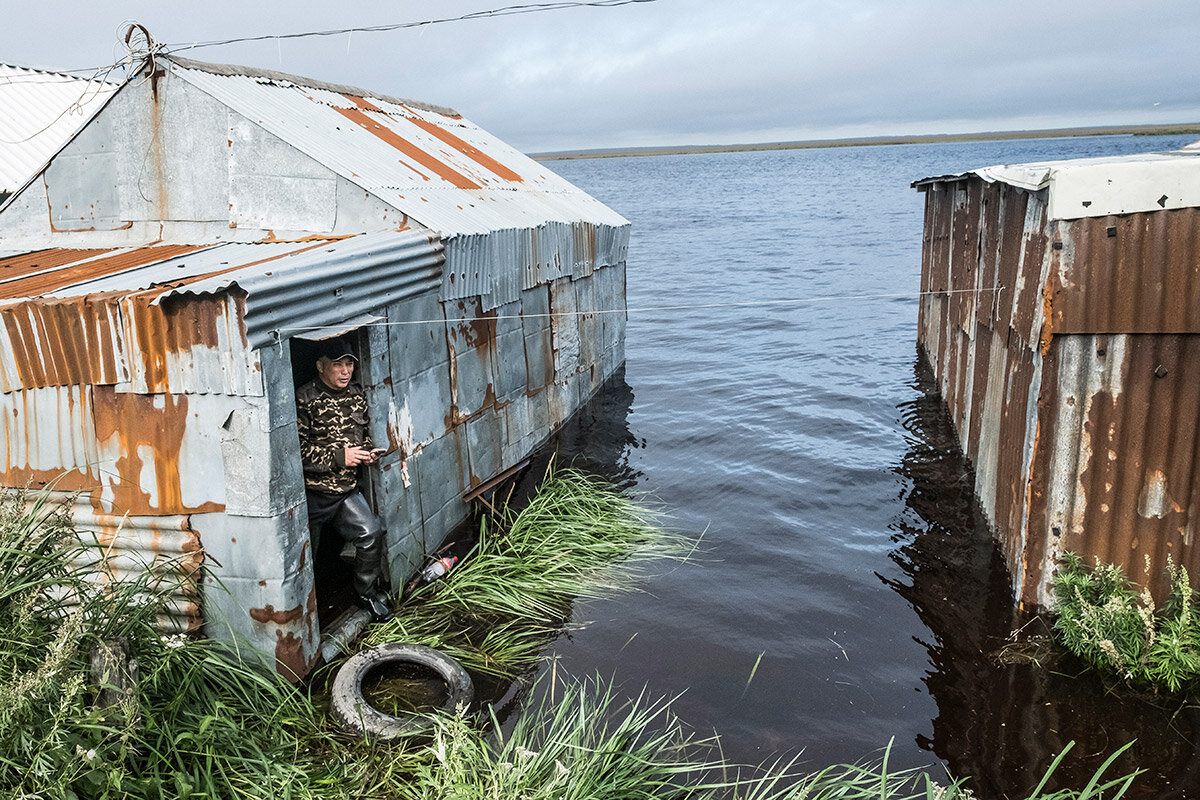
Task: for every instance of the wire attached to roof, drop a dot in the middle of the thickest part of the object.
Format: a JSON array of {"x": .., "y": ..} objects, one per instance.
[{"x": 506, "y": 11}]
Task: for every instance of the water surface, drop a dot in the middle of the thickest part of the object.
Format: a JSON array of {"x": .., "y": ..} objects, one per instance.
[{"x": 792, "y": 427}]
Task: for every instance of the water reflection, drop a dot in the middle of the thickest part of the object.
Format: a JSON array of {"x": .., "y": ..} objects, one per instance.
[
  {"x": 1003, "y": 723},
  {"x": 598, "y": 439}
]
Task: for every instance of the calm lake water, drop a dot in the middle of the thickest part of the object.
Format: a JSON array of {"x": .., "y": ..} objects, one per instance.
[{"x": 803, "y": 442}]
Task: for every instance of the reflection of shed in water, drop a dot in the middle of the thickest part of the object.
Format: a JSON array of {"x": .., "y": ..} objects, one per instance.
[
  {"x": 157, "y": 277},
  {"x": 1073, "y": 385}
]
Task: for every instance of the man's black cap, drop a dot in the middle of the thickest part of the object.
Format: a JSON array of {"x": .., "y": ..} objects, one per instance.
[{"x": 336, "y": 348}]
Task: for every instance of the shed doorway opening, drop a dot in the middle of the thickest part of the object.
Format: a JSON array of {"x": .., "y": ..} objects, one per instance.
[{"x": 333, "y": 575}]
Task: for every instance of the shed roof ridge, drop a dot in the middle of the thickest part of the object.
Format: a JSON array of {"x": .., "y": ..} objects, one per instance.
[{"x": 307, "y": 83}]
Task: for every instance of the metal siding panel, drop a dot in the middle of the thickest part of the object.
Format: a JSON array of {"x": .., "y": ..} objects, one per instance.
[
  {"x": 1125, "y": 445},
  {"x": 1009, "y": 257},
  {"x": 564, "y": 307},
  {"x": 302, "y": 199},
  {"x": 535, "y": 325},
  {"x": 440, "y": 478},
  {"x": 425, "y": 407},
  {"x": 417, "y": 335},
  {"x": 49, "y": 438},
  {"x": 135, "y": 544},
  {"x": 511, "y": 376},
  {"x": 471, "y": 338},
  {"x": 1131, "y": 274},
  {"x": 485, "y": 442},
  {"x": 190, "y": 345},
  {"x": 1014, "y": 438},
  {"x": 160, "y": 454},
  {"x": 39, "y": 112}
]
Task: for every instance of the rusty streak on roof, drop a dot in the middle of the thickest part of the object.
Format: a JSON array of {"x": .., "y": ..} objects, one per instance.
[
  {"x": 83, "y": 267},
  {"x": 359, "y": 117}
]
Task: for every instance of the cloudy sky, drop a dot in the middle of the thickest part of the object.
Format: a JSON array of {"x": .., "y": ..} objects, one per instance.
[{"x": 669, "y": 72}]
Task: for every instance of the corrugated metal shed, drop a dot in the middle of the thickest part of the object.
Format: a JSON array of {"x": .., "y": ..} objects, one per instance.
[
  {"x": 39, "y": 112},
  {"x": 161, "y": 282},
  {"x": 1065, "y": 338}
]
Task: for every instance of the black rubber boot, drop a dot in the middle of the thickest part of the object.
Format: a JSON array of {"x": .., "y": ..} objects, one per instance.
[{"x": 362, "y": 530}]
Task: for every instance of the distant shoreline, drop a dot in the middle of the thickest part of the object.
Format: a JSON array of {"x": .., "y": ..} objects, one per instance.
[{"x": 1104, "y": 130}]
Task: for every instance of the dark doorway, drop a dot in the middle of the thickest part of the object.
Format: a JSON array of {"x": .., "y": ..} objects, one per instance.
[{"x": 332, "y": 575}]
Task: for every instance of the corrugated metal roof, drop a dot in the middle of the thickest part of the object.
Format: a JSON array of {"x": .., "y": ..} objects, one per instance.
[
  {"x": 432, "y": 164},
  {"x": 39, "y": 112},
  {"x": 110, "y": 316},
  {"x": 1097, "y": 187}
]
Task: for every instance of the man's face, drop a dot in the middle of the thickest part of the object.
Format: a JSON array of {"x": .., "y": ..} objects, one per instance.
[{"x": 336, "y": 374}]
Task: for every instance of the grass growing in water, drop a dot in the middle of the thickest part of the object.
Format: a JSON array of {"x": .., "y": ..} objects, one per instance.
[
  {"x": 498, "y": 609},
  {"x": 1118, "y": 631},
  {"x": 208, "y": 723}
]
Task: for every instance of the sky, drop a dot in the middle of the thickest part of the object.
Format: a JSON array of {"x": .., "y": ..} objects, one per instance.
[{"x": 679, "y": 72}]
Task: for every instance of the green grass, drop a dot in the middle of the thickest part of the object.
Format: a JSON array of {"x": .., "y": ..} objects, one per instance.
[
  {"x": 495, "y": 613},
  {"x": 206, "y": 723}
]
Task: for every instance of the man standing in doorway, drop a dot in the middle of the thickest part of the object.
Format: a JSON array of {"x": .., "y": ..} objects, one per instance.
[{"x": 331, "y": 414}]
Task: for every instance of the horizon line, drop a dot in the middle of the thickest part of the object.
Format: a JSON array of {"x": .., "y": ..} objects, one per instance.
[{"x": 865, "y": 141}]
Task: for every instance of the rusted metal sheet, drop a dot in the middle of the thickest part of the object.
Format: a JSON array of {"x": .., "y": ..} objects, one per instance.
[
  {"x": 1138, "y": 273},
  {"x": 1072, "y": 388},
  {"x": 60, "y": 342},
  {"x": 129, "y": 546},
  {"x": 1122, "y": 479}
]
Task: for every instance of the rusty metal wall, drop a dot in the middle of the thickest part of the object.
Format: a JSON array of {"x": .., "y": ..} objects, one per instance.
[
  {"x": 1118, "y": 470},
  {"x": 1136, "y": 273},
  {"x": 1066, "y": 353}
]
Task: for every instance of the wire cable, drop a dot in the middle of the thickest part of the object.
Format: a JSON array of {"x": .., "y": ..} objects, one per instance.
[
  {"x": 642, "y": 309},
  {"x": 506, "y": 11}
]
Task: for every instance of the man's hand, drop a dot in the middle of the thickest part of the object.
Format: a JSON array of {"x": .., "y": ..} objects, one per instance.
[{"x": 360, "y": 455}]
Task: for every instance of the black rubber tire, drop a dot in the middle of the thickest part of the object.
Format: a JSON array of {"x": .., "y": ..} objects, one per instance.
[{"x": 356, "y": 715}]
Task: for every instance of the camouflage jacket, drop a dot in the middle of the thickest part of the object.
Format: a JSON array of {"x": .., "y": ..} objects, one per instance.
[{"x": 329, "y": 420}]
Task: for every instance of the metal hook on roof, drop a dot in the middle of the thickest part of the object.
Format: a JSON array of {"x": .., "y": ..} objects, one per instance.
[{"x": 139, "y": 44}]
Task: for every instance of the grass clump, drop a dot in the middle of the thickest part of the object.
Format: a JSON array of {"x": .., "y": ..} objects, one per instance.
[
  {"x": 1102, "y": 619},
  {"x": 196, "y": 719},
  {"x": 498, "y": 609}
]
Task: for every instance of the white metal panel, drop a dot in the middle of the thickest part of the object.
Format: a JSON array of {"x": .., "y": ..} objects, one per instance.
[
  {"x": 48, "y": 431},
  {"x": 1098, "y": 187},
  {"x": 39, "y": 112}
]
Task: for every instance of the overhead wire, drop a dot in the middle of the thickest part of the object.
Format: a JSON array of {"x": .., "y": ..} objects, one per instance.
[
  {"x": 152, "y": 48},
  {"x": 506, "y": 11},
  {"x": 642, "y": 309}
]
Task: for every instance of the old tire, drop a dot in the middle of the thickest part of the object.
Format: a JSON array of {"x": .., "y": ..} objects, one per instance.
[{"x": 356, "y": 715}]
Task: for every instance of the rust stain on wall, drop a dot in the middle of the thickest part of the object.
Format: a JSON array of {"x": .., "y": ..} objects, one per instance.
[
  {"x": 137, "y": 425},
  {"x": 289, "y": 656},
  {"x": 269, "y": 614}
]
